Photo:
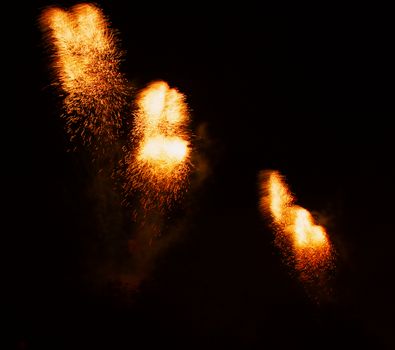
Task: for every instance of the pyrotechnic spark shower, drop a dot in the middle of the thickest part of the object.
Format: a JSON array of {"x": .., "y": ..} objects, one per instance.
[
  {"x": 86, "y": 63},
  {"x": 299, "y": 238},
  {"x": 159, "y": 163}
]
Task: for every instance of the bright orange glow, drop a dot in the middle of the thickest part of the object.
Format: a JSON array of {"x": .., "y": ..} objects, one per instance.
[
  {"x": 280, "y": 197},
  {"x": 86, "y": 62},
  {"x": 307, "y": 234},
  {"x": 310, "y": 246},
  {"x": 160, "y": 164},
  {"x": 164, "y": 150},
  {"x": 152, "y": 102}
]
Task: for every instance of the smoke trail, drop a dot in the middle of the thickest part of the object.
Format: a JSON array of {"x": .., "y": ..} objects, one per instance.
[
  {"x": 303, "y": 243},
  {"x": 86, "y": 63}
]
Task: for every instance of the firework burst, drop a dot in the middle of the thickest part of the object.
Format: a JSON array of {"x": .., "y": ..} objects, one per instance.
[
  {"x": 302, "y": 242},
  {"x": 159, "y": 163},
  {"x": 86, "y": 63}
]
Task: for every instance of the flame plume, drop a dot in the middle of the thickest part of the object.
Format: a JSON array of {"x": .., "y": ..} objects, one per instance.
[
  {"x": 296, "y": 233},
  {"x": 160, "y": 163},
  {"x": 86, "y": 62}
]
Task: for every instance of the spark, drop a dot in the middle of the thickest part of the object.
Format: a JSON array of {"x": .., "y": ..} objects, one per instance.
[
  {"x": 297, "y": 234},
  {"x": 86, "y": 64},
  {"x": 159, "y": 164}
]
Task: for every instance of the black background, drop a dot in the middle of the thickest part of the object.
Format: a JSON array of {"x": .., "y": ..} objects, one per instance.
[{"x": 307, "y": 94}]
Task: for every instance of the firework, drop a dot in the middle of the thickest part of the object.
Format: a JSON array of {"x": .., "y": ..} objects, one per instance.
[
  {"x": 159, "y": 163},
  {"x": 300, "y": 239},
  {"x": 86, "y": 64}
]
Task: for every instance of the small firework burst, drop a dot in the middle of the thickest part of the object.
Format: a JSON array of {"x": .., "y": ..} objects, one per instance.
[{"x": 159, "y": 163}]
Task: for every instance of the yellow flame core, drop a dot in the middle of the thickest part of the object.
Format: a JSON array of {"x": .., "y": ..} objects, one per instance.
[
  {"x": 307, "y": 234},
  {"x": 310, "y": 244},
  {"x": 164, "y": 150},
  {"x": 161, "y": 162},
  {"x": 280, "y": 197},
  {"x": 152, "y": 103},
  {"x": 86, "y": 61}
]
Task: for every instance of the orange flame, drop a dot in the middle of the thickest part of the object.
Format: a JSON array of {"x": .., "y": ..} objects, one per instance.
[
  {"x": 160, "y": 164},
  {"x": 86, "y": 62},
  {"x": 311, "y": 248}
]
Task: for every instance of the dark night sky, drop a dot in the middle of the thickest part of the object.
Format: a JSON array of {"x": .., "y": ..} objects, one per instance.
[{"x": 306, "y": 95}]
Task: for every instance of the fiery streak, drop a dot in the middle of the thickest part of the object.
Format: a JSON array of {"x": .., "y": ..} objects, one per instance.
[
  {"x": 310, "y": 247},
  {"x": 160, "y": 164},
  {"x": 86, "y": 62}
]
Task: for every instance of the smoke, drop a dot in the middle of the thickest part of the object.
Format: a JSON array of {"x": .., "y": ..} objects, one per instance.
[
  {"x": 127, "y": 242},
  {"x": 203, "y": 146}
]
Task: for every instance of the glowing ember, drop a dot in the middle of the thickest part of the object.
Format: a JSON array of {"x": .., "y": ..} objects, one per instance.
[
  {"x": 311, "y": 249},
  {"x": 160, "y": 164},
  {"x": 86, "y": 62}
]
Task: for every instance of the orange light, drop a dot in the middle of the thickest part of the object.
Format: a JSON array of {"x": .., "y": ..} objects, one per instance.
[
  {"x": 160, "y": 164},
  {"x": 295, "y": 228},
  {"x": 86, "y": 62}
]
